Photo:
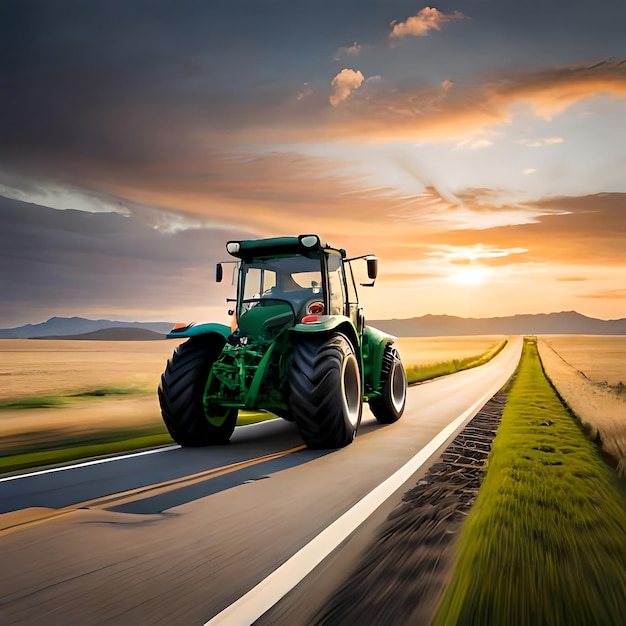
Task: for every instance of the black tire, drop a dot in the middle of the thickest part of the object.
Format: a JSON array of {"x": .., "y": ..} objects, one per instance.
[
  {"x": 181, "y": 397},
  {"x": 388, "y": 407},
  {"x": 325, "y": 390}
]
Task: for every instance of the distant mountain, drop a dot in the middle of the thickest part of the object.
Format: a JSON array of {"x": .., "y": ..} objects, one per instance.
[
  {"x": 112, "y": 334},
  {"x": 564, "y": 323},
  {"x": 63, "y": 326}
]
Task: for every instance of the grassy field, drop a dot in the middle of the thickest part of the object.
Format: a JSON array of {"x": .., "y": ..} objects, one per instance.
[
  {"x": 545, "y": 542},
  {"x": 600, "y": 406}
]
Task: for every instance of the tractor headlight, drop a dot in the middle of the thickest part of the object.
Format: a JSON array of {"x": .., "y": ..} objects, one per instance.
[
  {"x": 309, "y": 241},
  {"x": 232, "y": 247}
]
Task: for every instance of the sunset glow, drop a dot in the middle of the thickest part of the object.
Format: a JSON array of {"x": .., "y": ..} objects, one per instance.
[
  {"x": 471, "y": 277},
  {"x": 467, "y": 145}
]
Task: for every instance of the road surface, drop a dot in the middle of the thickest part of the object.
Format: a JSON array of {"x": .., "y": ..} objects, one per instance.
[{"x": 179, "y": 536}]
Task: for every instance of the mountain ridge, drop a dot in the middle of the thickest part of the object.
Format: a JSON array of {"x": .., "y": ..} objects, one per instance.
[
  {"x": 561, "y": 323},
  {"x": 564, "y": 322},
  {"x": 65, "y": 326}
]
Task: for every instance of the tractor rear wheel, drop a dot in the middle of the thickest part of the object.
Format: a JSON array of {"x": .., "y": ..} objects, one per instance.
[
  {"x": 325, "y": 390},
  {"x": 388, "y": 407},
  {"x": 181, "y": 396}
]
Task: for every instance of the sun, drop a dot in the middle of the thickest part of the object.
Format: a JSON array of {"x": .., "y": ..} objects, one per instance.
[{"x": 470, "y": 277}]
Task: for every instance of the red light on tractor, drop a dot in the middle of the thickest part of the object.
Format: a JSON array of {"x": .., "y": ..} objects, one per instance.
[{"x": 310, "y": 319}]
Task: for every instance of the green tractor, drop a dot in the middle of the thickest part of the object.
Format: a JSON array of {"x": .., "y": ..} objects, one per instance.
[{"x": 298, "y": 347}]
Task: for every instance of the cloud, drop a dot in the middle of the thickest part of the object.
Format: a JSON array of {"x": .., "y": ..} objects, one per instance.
[
  {"x": 473, "y": 144},
  {"x": 426, "y": 113},
  {"x": 447, "y": 84},
  {"x": 344, "y": 84},
  {"x": 353, "y": 50},
  {"x": 606, "y": 294},
  {"x": 529, "y": 170},
  {"x": 76, "y": 263},
  {"x": 537, "y": 143},
  {"x": 419, "y": 25},
  {"x": 581, "y": 232}
]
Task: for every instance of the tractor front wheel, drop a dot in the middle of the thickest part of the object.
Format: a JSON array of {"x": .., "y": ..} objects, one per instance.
[
  {"x": 181, "y": 396},
  {"x": 325, "y": 390},
  {"x": 389, "y": 406}
]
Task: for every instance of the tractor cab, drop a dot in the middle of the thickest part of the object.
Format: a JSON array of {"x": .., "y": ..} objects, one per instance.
[{"x": 290, "y": 280}]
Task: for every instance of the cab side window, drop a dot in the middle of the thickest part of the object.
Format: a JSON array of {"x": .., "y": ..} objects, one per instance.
[{"x": 336, "y": 285}]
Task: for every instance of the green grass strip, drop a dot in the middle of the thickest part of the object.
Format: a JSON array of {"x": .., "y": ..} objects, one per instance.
[
  {"x": 545, "y": 542},
  {"x": 55, "y": 401},
  {"x": 39, "y": 458},
  {"x": 420, "y": 373},
  {"x": 59, "y": 447},
  {"x": 34, "y": 402}
]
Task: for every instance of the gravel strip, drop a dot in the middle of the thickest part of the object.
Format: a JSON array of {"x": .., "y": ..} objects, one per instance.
[{"x": 402, "y": 574}]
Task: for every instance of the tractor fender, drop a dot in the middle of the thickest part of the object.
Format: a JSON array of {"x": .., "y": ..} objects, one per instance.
[
  {"x": 374, "y": 343},
  {"x": 327, "y": 323},
  {"x": 197, "y": 330}
]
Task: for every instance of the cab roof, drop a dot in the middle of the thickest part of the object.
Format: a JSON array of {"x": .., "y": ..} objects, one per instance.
[{"x": 250, "y": 249}]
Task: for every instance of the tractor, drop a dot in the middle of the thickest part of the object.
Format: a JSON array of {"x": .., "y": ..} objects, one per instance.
[{"x": 298, "y": 347}]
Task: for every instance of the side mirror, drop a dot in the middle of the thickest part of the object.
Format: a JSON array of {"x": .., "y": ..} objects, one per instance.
[
  {"x": 219, "y": 273},
  {"x": 372, "y": 268}
]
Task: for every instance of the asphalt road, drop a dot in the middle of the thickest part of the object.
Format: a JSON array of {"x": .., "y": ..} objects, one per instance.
[{"x": 177, "y": 536}]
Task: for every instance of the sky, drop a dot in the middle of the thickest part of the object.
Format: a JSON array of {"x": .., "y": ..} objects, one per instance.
[{"x": 477, "y": 147}]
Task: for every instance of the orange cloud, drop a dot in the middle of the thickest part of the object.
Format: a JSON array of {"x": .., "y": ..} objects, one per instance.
[
  {"x": 380, "y": 111},
  {"x": 606, "y": 294},
  {"x": 344, "y": 84},
  {"x": 419, "y": 25},
  {"x": 567, "y": 231}
]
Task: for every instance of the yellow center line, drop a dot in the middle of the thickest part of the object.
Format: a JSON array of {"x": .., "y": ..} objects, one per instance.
[{"x": 16, "y": 521}]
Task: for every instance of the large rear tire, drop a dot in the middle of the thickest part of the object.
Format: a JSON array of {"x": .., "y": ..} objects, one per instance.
[
  {"x": 325, "y": 390},
  {"x": 181, "y": 394},
  {"x": 388, "y": 407}
]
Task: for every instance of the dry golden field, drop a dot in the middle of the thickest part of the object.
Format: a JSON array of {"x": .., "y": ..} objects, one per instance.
[
  {"x": 599, "y": 358},
  {"x": 30, "y": 367},
  {"x": 586, "y": 372},
  {"x": 34, "y": 368},
  {"x": 426, "y": 350},
  {"x": 40, "y": 367}
]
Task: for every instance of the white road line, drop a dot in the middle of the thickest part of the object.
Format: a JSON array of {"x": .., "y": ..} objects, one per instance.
[
  {"x": 269, "y": 591},
  {"x": 109, "y": 459}
]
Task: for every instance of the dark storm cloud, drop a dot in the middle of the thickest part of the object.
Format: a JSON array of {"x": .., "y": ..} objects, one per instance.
[{"x": 55, "y": 261}]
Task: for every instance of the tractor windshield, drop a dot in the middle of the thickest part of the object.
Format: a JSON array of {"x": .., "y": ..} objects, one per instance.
[{"x": 296, "y": 279}]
